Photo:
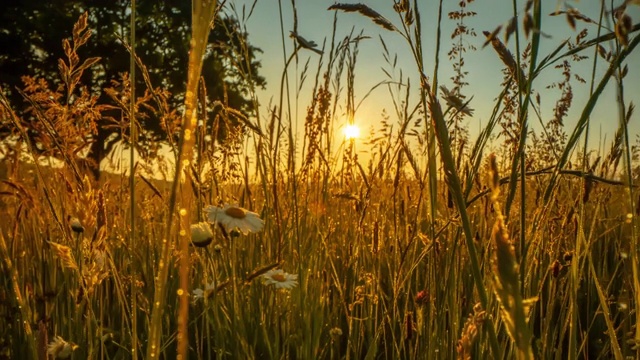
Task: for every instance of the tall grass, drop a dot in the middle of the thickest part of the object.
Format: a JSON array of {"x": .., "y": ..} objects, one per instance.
[{"x": 420, "y": 251}]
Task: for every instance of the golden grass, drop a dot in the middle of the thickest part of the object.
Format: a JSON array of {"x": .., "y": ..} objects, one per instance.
[{"x": 394, "y": 259}]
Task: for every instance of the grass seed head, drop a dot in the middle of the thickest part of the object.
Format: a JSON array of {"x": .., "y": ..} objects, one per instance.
[
  {"x": 505, "y": 259},
  {"x": 367, "y": 12},
  {"x": 60, "y": 348},
  {"x": 64, "y": 253}
]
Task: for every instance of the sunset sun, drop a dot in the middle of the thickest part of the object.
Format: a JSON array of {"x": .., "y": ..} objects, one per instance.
[{"x": 351, "y": 131}]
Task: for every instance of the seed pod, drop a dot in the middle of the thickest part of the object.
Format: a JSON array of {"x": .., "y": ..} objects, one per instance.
[
  {"x": 201, "y": 234},
  {"x": 555, "y": 268},
  {"x": 75, "y": 224},
  {"x": 409, "y": 326}
]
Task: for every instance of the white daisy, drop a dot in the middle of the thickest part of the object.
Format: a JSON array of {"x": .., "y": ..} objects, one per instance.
[
  {"x": 280, "y": 279},
  {"x": 60, "y": 349},
  {"x": 233, "y": 217},
  {"x": 201, "y": 234},
  {"x": 198, "y": 294}
]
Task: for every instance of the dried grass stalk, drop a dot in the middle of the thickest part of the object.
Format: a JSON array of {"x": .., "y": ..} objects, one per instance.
[
  {"x": 514, "y": 310},
  {"x": 366, "y": 11},
  {"x": 263, "y": 270},
  {"x": 507, "y": 58},
  {"x": 65, "y": 255}
]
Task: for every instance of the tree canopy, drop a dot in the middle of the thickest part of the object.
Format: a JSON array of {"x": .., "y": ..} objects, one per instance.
[{"x": 31, "y": 43}]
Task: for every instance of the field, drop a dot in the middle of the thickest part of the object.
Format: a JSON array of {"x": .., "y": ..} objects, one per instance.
[{"x": 442, "y": 244}]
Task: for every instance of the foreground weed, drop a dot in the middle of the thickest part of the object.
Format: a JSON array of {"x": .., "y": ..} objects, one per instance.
[{"x": 514, "y": 309}]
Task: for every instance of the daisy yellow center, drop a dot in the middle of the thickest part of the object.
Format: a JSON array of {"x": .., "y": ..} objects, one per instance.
[
  {"x": 235, "y": 212},
  {"x": 279, "y": 277}
]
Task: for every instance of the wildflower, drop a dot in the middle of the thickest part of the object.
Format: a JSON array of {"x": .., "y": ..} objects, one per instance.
[
  {"x": 280, "y": 279},
  {"x": 455, "y": 100},
  {"x": 198, "y": 294},
  {"x": 422, "y": 298},
  {"x": 60, "y": 349},
  {"x": 76, "y": 225},
  {"x": 304, "y": 43},
  {"x": 201, "y": 234},
  {"x": 233, "y": 217}
]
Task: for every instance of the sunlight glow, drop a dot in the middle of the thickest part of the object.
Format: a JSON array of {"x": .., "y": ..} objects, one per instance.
[{"x": 351, "y": 131}]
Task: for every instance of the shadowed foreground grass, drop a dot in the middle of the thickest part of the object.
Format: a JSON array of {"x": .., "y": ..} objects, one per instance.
[{"x": 371, "y": 281}]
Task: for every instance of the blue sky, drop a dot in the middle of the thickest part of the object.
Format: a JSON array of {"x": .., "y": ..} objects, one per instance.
[{"x": 315, "y": 23}]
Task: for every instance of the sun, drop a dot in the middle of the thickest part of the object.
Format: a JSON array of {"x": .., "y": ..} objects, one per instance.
[{"x": 351, "y": 131}]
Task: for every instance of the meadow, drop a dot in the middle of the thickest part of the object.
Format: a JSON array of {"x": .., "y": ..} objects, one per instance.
[{"x": 512, "y": 244}]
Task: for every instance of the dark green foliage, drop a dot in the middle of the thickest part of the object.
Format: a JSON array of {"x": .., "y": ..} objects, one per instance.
[{"x": 30, "y": 44}]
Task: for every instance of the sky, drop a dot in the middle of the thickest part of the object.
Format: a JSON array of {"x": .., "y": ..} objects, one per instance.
[{"x": 315, "y": 23}]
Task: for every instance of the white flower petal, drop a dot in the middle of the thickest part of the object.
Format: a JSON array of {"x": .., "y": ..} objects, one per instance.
[
  {"x": 255, "y": 223},
  {"x": 280, "y": 279},
  {"x": 198, "y": 294},
  {"x": 234, "y": 217}
]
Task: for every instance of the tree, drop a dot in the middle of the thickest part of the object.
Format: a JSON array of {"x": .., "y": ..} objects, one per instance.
[{"x": 31, "y": 34}]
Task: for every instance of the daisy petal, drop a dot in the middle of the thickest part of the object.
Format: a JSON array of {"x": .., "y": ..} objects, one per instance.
[{"x": 234, "y": 217}]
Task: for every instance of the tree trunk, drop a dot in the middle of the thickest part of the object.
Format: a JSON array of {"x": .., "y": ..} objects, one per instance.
[{"x": 99, "y": 149}]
